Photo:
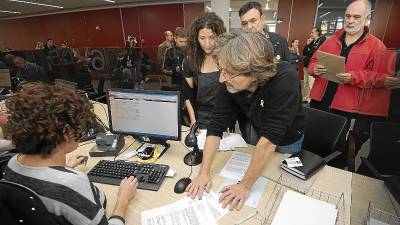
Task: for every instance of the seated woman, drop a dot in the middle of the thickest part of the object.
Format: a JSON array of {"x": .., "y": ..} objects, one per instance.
[{"x": 45, "y": 123}]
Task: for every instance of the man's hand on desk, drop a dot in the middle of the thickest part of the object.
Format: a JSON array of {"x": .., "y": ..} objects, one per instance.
[
  {"x": 344, "y": 77},
  {"x": 234, "y": 195},
  {"x": 199, "y": 183}
]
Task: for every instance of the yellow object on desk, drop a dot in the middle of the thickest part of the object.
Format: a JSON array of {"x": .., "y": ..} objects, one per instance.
[{"x": 153, "y": 159}]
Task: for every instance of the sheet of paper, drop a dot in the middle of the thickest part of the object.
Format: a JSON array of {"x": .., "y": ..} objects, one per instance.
[
  {"x": 211, "y": 200},
  {"x": 255, "y": 194},
  {"x": 333, "y": 63},
  {"x": 236, "y": 166},
  {"x": 228, "y": 142},
  {"x": 296, "y": 208},
  {"x": 373, "y": 221},
  {"x": 183, "y": 212}
]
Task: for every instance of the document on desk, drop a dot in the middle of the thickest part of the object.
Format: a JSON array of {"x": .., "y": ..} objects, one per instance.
[
  {"x": 236, "y": 166},
  {"x": 334, "y": 64},
  {"x": 373, "y": 221},
  {"x": 187, "y": 212},
  {"x": 255, "y": 194},
  {"x": 304, "y": 210},
  {"x": 227, "y": 143}
]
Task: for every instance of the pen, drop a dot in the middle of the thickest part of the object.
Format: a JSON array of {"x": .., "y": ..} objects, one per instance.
[{"x": 247, "y": 218}]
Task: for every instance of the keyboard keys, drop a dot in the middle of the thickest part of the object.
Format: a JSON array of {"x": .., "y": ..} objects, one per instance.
[{"x": 150, "y": 176}]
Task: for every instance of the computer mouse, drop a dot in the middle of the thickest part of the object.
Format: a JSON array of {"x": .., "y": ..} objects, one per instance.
[{"x": 181, "y": 185}]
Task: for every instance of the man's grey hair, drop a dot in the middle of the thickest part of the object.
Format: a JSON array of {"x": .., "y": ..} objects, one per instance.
[
  {"x": 367, "y": 3},
  {"x": 246, "y": 52}
]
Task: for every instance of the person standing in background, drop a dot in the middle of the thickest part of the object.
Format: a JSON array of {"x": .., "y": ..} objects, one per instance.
[
  {"x": 174, "y": 57},
  {"x": 252, "y": 17},
  {"x": 313, "y": 42},
  {"x": 168, "y": 43},
  {"x": 294, "y": 53}
]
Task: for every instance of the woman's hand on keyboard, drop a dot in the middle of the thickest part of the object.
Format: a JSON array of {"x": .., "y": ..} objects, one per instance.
[
  {"x": 127, "y": 188},
  {"x": 200, "y": 183}
]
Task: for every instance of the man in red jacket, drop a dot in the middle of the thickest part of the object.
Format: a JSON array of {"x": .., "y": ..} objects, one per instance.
[{"x": 363, "y": 95}]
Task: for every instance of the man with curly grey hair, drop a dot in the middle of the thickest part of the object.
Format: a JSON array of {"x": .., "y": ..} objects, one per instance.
[{"x": 267, "y": 93}]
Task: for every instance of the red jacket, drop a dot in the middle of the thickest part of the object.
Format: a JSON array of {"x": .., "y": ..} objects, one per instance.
[{"x": 365, "y": 93}]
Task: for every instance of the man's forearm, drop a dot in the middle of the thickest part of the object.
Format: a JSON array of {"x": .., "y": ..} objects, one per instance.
[
  {"x": 260, "y": 157},
  {"x": 210, "y": 148}
]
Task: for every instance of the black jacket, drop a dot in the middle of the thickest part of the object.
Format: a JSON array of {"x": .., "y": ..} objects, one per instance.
[
  {"x": 173, "y": 58},
  {"x": 280, "y": 46},
  {"x": 275, "y": 110},
  {"x": 309, "y": 49}
]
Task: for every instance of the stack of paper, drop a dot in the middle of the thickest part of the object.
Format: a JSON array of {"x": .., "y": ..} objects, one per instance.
[
  {"x": 236, "y": 166},
  {"x": 186, "y": 212},
  {"x": 299, "y": 209},
  {"x": 228, "y": 142}
]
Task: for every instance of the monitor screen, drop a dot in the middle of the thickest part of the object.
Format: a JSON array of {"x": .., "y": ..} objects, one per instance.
[
  {"x": 153, "y": 114},
  {"x": 5, "y": 80}
]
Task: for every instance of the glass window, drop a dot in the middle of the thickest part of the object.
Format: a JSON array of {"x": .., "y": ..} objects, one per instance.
[{"x": 330, "y": 15}]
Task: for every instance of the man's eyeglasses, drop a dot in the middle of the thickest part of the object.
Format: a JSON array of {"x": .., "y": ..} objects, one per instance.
[{"x": 227, "y": 76}]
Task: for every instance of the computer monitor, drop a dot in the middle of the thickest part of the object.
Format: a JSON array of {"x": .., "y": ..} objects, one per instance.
[
  {"x": 5, "y": 79},
  {"x": 68, "y": 84},
  {"x": 152, "y": 114}
]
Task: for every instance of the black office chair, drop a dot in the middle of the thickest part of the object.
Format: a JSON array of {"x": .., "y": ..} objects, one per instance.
[
  {"x": 20, "y": 205},
  {"x": 382, "y": 161},
  {"x": 321, "y": 132},
  {"x": 383, "y": 158}
]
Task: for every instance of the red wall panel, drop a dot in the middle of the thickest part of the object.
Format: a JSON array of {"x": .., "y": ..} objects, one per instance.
[
  {"x": 104, "y": 28},
  {"x": 154, "y": 20},
  {"x": 380, "y": 18},
  {"x": 284, "y": 15},
  {"x": 301, "y": 22},
  {"x": 392, "y": 34},
  {"x": 191, "y": 11},
  {"x": 130, "y": 18}
]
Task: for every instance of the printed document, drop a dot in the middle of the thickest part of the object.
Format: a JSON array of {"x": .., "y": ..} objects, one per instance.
[
  {"x": 304, "y": 210},
  {"x": 236, "y": 166},
  {"x": 187, "y": 212}
]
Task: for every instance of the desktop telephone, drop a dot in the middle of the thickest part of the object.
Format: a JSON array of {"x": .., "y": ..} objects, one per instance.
[{"x": 107, "y": 144}]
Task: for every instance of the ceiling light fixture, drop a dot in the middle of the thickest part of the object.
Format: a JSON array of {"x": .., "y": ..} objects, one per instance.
[
  {"x": 5, "y": 11},
  {"x": 110, "y": 1},
  {"x": 35, "y": 3},
  {"x": 324, "y": 14},
  {"x": 320, "y": 4}
]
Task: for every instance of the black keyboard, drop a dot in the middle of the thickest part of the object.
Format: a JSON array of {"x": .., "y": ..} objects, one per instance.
[{"x": 150, "y": 176}]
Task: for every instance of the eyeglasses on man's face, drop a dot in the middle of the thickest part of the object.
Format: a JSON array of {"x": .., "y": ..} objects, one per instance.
[{"x": 227, "y": 76}]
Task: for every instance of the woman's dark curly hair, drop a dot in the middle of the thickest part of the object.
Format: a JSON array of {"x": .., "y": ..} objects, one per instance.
[
  {"x": 196, "y": 54},
  {"x": 40, "y": 115}
]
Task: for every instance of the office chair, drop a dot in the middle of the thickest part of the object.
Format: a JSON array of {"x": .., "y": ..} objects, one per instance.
[
  {"x": 382, "y": 161},
  {"x": 21, "y": 205},
  {"x": 384, "y": 152},
  {"x": 321, "y": 132}
]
